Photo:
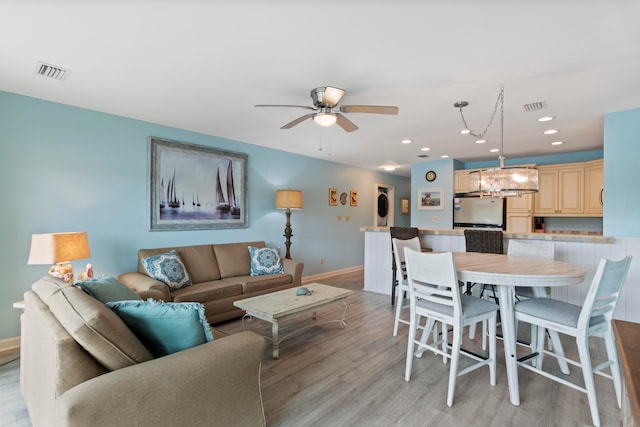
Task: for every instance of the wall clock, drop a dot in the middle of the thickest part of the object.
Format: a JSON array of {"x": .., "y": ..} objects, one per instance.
[{"x": 430, "y": 176}]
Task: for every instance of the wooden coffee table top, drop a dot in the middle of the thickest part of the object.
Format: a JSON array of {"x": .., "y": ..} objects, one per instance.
[{"x": 283, "y": 303}]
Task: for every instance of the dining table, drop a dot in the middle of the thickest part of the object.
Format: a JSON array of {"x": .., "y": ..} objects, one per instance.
[{"x": 507, "y": 272}]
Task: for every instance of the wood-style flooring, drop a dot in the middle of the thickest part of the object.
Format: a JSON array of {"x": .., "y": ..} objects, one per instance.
[{"x": 328, "y": 376}]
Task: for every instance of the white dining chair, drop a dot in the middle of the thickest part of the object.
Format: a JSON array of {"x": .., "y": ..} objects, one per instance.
[
  {"x": 434, "y": 293},
  {"x": 593, "y": 318},
  {"x": 402, "y": 287}
]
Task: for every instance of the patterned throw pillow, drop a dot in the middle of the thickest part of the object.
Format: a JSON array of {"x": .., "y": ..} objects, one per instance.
[
  {"x": 265, "y": 261},
  {"x": 168, "y": 268}
]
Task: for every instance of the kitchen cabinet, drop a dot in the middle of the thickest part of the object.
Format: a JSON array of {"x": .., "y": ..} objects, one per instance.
[
  {"x": 560, "y": 190},
  {"x": 520, "y": 214},
  {"x": 594, "y": 188},
  {"x": 461, "y": 181}
]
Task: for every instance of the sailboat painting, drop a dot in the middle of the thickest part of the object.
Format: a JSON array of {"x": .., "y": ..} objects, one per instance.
[{"x": 216, "y": 180}]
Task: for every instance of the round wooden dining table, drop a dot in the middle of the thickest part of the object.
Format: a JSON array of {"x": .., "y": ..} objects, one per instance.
[{"x": 507, "y": 272}]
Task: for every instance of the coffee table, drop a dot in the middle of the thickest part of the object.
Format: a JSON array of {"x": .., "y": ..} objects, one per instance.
[{"x": 277, "y": 306}]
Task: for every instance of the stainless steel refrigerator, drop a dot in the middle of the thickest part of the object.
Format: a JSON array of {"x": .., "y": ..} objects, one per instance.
[{"x": 476, "y": 212}]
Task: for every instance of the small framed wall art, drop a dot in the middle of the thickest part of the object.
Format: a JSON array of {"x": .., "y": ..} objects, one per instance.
[
  {"x": 431, "y": 199},
  {"x": 404, "y": 205},
  {"x": 333, "y": 197},
  {"x": 353, "y": 198}
]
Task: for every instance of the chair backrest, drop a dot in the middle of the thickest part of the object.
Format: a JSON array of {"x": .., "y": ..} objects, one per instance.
[
  {"x": 432, "y": 278},
  {"x": 398, "y": 252},
  {"x": 487, "y": 241},
  {"x": 604, "y": 292},
  {"x": 404, "y": 233},
  {"x": 532, "y": 249}
]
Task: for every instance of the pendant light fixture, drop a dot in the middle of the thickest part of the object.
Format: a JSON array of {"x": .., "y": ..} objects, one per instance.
[{"x": 501, "y": 181}]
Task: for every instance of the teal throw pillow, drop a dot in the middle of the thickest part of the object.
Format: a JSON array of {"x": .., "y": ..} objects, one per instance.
[
  {"x": 168, "y": 268},
  {"x": 265, "y": 261},
  {"x": 107, "y": 289},
  {"x": 165, "y": 327}
]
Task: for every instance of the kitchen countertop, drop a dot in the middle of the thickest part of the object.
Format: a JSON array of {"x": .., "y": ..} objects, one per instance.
[{"x": 555, "y": 236}]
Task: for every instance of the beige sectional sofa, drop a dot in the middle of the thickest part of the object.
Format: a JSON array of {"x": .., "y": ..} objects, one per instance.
[
  {"x": 220, "y": 274},
  {"x": 82, "y": 366}
]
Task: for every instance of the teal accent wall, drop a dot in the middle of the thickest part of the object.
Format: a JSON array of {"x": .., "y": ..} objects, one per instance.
[
  {"x": 551, "y": 159},
  {"x": 444, "y": 181},
  {"x": 70, "y": 169},
  {"x": 621, "y": 156}
]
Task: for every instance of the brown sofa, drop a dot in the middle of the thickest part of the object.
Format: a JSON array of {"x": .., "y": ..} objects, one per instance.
[
  {"x": 81, "y": 366},
  {"x": 220, "y": 274}
]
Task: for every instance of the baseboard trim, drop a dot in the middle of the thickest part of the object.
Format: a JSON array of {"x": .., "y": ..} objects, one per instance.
[
  {"x": 9, "y": 349},
  {"x": 319, "y": 277}
]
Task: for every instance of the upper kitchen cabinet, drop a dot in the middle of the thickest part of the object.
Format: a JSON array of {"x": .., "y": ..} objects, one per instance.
[
  {"x": 594, "y": 188},
  {"x": 570, "y": 190},
  {"x": 461, "y": 180}
]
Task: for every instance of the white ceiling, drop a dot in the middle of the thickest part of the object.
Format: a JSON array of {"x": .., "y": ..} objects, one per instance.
[{"x": 203, "y": 65}]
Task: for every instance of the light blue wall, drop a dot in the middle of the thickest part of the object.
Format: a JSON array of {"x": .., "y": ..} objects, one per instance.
[
  {"x": 621, "y": 158},
  {"x": 444, "y": 181},
  {"x": 68, "y": 169}
]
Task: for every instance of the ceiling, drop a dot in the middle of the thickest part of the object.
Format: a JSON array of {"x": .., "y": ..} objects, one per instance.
[{"x": 203, "y": 65}]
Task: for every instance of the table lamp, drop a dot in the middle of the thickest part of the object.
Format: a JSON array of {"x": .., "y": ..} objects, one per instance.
[
  {"x": 59, "y": 249},
  {"x": 288, "y": 199}
]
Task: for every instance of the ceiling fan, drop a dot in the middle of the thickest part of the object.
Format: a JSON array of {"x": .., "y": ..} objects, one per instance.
[{"x": 326, "y": 111}]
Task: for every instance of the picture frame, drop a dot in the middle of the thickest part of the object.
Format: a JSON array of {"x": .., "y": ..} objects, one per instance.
[
  {"x": 431, "y": 199},
  {"x": 195, "y": 187},
  {"x": 353, "y": 198},
  {"x": 404, "y": 205},
  {"x": 333, "y": 197}
]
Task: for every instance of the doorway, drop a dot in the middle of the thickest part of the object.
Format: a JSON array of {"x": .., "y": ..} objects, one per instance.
[{"x": 383, "y": 206}]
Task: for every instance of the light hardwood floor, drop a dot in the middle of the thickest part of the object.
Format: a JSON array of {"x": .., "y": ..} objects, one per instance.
[{"x": 327, "y": 376}]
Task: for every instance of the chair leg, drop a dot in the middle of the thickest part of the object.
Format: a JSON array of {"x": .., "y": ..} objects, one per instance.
[
  {"x": 453, "y": 370},
  {"x": 540, "y": 346},
  {"x": 413, "y": 326},
  {"x": 399, "y": 303},
  {"x": 557, "y": 349},
  {"x": 612, "y": 354},
  {"x": 429, "y": 326},
  {"x": 587, "y": 374}
]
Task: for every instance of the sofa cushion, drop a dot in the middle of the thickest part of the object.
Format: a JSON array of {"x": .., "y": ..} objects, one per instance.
[
  {"x": 167, "y": 268},
  {"x": 265, "y": 261},
  {"x": 165, "y": 327},
  {"x": 97, "y": 329},
  {"x": 207, "y": 291},
  {"x": 251, "y": 284},
  {"x": 107, "y": 289},
  {"x": 233, "y": 258},
  {"x": 199, "y": 260}
]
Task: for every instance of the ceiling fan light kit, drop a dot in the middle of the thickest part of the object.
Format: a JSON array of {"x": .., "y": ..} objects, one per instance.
[
  {"x": 501, "y": 181},
  {"x": 326, "y": 111}
]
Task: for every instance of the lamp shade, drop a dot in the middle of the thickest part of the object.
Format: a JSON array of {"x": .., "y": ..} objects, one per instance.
[
  {"x": 325, "y": 119},
  {"x": 54, "y": 248},
  {"x": 502, "y": 182},
  {"x": 289, "y": 199}
]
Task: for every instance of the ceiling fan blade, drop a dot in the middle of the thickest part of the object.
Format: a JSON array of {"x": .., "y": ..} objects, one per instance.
[
  {"x": 374, "y": 109},
  {"x": 286, "y": 105},
  {"x": 345, "y": 123},
  {"x": 296, "y": 121}
]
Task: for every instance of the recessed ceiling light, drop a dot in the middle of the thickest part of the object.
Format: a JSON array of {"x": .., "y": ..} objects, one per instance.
[
  {"x": 465, "y": 131},
  {"x": 494, "y": 150},
  {"x": 389, "y": 167},
  {"x": 444, "y": 156},
  {"x": 425, "y": 149},
  {"x": 550, "y": 131},
  {"x": 481, "y": 141},
  {"x": 557, "y": 143},
  {"x": 546, "y": 119},
  {"x": 407, "y": 141}
]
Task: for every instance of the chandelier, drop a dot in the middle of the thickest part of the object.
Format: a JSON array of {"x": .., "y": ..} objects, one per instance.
[{"x": 501, "y": 181}]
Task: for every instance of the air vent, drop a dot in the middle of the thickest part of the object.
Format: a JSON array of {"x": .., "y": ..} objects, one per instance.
[
  {"x": 423, "y": 155},
  {"x": 534, "y": 106},
  {"x": 51, "y": 71}
]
